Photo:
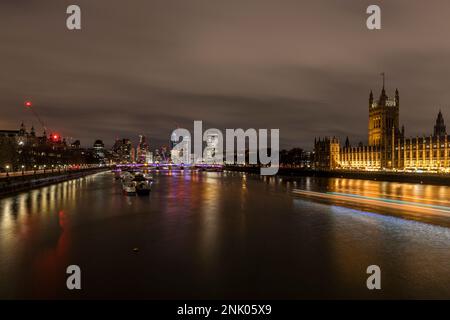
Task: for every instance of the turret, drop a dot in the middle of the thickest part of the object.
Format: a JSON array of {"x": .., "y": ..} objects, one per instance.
[
  {"x": 439, "y": 128},
  {"x": 347, "y": 143},
  {"x": 22, "y": 129},
  {"x": 383, "y": 97}
]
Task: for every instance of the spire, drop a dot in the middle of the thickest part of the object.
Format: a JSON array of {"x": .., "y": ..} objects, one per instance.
[
  {"x": 397, "y": 97},
  {"x": 383, "y": 96},
  {"x": 440, "y": 118},
  {"x": 347, "y": 142},
  {"x": 22, "y": 129},
  {"x": 439, "y": 128}
]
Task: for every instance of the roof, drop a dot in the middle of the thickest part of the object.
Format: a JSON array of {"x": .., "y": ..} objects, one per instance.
[{"x": 9, "y": 132}]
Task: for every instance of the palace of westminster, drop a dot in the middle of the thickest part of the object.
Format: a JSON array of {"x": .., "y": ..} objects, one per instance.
[{"x": 388, "y": 147}]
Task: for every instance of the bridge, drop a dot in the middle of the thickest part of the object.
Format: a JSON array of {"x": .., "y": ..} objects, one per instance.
[{"x": 168, "y": 166}]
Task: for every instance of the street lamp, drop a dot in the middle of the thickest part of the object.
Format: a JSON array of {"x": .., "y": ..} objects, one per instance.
[
  {"x": 7, "y": 170},
  {"x": 23, "y": 169}
]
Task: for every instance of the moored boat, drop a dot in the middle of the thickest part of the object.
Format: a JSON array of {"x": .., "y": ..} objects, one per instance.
[
  {"x": 129, "y": 187},
  {"x": 143, "y": 185}
]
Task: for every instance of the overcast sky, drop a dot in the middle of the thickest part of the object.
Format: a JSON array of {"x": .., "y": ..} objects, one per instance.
[{"x": 145, "y": 66}]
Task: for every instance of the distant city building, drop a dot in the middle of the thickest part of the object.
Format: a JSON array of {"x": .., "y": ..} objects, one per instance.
[
  {"x": 24, "y": 148},
  {"x": 9, "y": 133},
  {"x": 157, "y": 156},
  {"x": 142, "y": 150},
  {"x": 76, "y": 144},
  {"x": 149, "y": 157},
  {"x": 165, "y": 154},
  {"x": 388, "y": 147},
  {"x": 99, "y": 149},
  {"x": 121, "y": 151},
  {"x": 133, "y": 155}
]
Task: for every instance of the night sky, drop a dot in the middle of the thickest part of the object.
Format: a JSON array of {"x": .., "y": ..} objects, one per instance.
[{"x": 145, "y": 66}]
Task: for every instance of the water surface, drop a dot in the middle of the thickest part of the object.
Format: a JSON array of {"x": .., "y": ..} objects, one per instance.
[{"x": 219, "y": 235}]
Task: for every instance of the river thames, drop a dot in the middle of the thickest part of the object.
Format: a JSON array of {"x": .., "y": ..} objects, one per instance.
[{"x": 208, "y": 235}]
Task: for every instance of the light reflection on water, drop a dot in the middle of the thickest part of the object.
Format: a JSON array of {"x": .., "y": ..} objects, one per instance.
[
  {"x": 426, "y": 203},
  {"x": 213, "y": 235}
]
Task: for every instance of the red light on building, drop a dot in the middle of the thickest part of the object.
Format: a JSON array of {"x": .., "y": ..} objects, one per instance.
[{"x": 28, "y": 104}]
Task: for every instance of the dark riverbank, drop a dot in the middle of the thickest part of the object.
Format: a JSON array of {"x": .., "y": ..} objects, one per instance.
[
  {"x": 422, "y": 178},
  {"x": 10, "y": 185}
]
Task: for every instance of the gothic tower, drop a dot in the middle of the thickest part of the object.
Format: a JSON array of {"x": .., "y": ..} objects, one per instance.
[
  {"x": 383, "y": 118},
  {"x": 384, "y": 125},
  {"x": 439, "y": 128}
]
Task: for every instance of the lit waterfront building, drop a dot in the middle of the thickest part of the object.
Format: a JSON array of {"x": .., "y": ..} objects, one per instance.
[
  {"x": 149, "y": 157},
  {"x": 99, "y": 149},
  {"x": 157, "y": 156},
  {"x": 165, "y": 154},
  {"x": 388, "y": 148},
  {"x": 122, "y": 151},
  {"x": 326, "y": 153},
  {"x": 133, "y": 155},
  {"x": 21, "y": 137},
  {"x": 142, "y": 150},
  {"x": 23, "y": 149}
]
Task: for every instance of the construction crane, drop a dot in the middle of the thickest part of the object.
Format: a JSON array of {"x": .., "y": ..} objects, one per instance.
[{"x": 53, "y": 136}]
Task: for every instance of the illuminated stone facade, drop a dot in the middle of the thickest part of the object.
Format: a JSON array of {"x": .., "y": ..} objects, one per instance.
[
  {"x": 326, "y": 153},
  {"x": 388, "y": 148}
]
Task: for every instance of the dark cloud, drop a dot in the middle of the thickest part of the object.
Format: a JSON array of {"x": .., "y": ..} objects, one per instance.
[{"x": 305, "y": 67}]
